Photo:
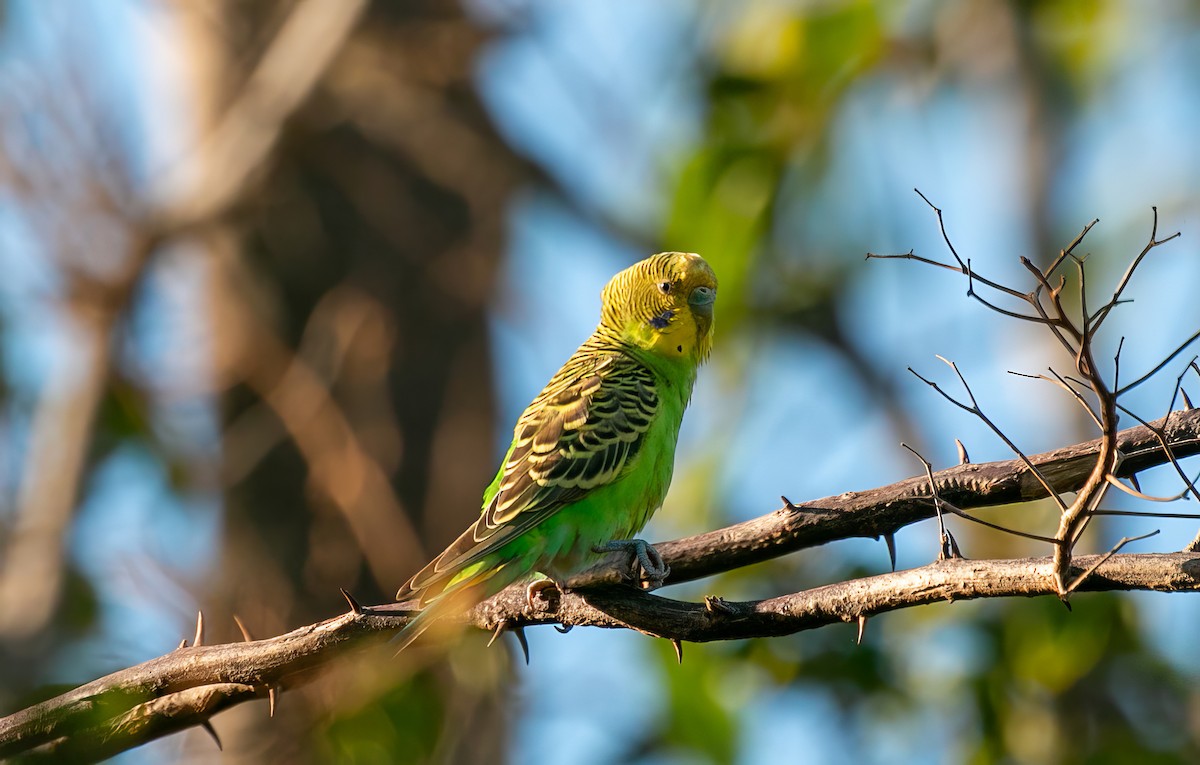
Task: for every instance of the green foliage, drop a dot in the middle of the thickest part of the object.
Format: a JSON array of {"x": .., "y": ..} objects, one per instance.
[
  {"x": 400, "y": 726},
  {"x": 1079, "y": 686},
  {"x": 699, "y": 721},
  {"x": 776, "y": 85}
]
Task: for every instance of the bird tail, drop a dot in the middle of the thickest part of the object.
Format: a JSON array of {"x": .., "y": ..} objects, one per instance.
[{"x": 468, "y": 588}]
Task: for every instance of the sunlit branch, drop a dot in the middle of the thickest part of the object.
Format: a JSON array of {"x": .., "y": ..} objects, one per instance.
[{"x": 186, "y": 687}]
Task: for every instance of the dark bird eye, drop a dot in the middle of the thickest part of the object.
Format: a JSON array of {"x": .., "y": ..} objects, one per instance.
[{"x": 664, "y": 288}]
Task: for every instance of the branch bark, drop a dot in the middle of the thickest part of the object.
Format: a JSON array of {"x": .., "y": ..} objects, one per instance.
[
  {"x": 885, "y": 510},
  {"x": 187, "y": 686}
]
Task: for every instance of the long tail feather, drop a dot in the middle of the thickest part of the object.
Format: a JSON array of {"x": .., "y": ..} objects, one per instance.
[{"x": 466, "y": 590}]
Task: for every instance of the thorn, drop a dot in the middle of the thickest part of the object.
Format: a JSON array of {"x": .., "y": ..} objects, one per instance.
[
  {"x": 495, "y": 633},
  {"x": 1133, "y": 481},
  {"x": 890, "y": 540},
  {"x": 271, "y": 695},
  {"x": 199, "y": 641},
  {"x": 716, "y": 605},
  {"x": 954, "y": 551},
  {"x": 245, "y": 632},
  {"x": 963, "y": 457},
  {"x": 788, "y": 504},
  {"x": 1187, "y": 402},
  {"x": 949, "y": 549},
  {"x": 524, "y": 641},
  {"x": 1066, "y": 603},
  {"x": 182, "y": 644},
  {"x": 862, "y": 627},
  {"x": 678, "y": 649},
  {"x": 564, "y": 628},
  {"x": 355, "y": 606},
  {"x": 211, "y": 731}
]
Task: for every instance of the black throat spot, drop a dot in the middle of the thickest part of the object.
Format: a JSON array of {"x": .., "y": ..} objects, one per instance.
[{"x": 663, "y": 319}]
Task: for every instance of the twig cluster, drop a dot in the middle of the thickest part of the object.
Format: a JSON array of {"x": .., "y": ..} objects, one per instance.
[{"x": 1076, "y": 332}]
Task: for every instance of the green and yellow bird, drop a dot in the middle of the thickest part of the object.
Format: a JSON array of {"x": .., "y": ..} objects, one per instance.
[{"x": 591, "y": 458}]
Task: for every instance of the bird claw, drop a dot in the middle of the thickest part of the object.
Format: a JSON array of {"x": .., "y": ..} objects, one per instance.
[
  {"x": 654, "y": 568},
  {"x": 541, "y": 594}
]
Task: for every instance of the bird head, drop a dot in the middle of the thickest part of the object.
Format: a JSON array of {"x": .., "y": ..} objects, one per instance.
[{"x": 664, "y": 304}]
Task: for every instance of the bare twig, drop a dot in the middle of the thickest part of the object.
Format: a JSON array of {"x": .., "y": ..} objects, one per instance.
[
  {"x": 1062, "y": 382},
  {"x": 1159, "y": 367},
  {"x": 1104, "y": 310},
  {"x": 943, "y": 534},
  {"x": 1076, "y": 337},
  {"x": 1079, "y": 580},
  {"x": 1116, "y": 484},
  {"x": 975, "y": 410}
]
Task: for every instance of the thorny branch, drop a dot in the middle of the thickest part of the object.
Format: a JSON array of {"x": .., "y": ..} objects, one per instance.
[
  {"x": 1076, "y": 331},
  {"x": 187, "y": 686}
]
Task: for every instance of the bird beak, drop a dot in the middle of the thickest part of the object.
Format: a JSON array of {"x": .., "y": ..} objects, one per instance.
[{"x": 701, "y": 300}]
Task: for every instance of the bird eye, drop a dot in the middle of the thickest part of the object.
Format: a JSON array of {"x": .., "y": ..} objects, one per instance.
[{"x": 664, "y": 288}]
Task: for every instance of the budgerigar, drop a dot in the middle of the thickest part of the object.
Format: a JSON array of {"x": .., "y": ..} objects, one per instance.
[{"x": 591, "y": 458}]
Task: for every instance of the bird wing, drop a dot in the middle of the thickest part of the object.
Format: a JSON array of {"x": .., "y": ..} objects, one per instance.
[{"x": 577, "y": 435}]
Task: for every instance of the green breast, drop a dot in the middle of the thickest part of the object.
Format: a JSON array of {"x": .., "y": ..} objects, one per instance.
[{"x": 619, "y": 509}]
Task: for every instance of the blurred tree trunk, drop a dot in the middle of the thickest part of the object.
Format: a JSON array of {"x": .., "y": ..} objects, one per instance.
[{"x": 351, "y": 299}]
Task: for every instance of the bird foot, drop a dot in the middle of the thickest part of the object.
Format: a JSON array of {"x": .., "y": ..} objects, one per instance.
[
  {"x": 541, "y": 594},
  {"x": 654, "y": 569}
]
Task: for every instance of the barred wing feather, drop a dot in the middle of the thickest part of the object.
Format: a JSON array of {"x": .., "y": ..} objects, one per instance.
[{"x": 580, "y": 432}]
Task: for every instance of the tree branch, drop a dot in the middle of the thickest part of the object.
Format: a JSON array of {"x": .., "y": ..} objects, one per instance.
[
  {"x": 883, "y": 511},
  {"x": 945, "y": 580},
  {"x": 187, "y": 686}
]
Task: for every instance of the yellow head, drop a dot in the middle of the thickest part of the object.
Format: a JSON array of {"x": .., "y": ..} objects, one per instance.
[{"x": 663, "y": 304}]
